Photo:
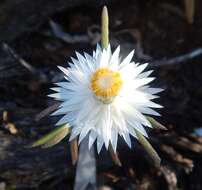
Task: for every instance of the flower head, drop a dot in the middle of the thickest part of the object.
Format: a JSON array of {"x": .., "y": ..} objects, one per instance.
[{"x": 104, "y": 97}]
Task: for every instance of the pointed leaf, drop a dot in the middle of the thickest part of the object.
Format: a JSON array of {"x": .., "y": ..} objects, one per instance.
[
  {"x": 150, "y": 150},
  {"x": 156, "y": 124},
  {"x": 52, "y": 138}
]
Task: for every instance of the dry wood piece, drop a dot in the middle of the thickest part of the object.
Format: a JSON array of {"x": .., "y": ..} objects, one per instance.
[
  {"x": 182, "y": 142},
  {"x": 18, "y": 59},
  {"x": 47, "y": 111},
  {"x": 189, "y": 10},
  {"x": 114, "y": 156},
  {"x": 170, "y": 177},
  {"x": 177, "y": 157}
]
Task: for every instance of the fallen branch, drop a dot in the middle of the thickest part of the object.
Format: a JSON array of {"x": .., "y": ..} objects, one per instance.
[
  {"x": 18, "y": 59},
  {"x": 59, "y": 33},
  {"x": 178, "y": 59},
  {"x": 47, "y": 111}
]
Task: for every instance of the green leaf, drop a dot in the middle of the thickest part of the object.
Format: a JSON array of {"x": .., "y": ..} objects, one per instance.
[
  {"x": 148, "y": 147},
  {"x": 52, "y": 138},
  {"x": 156, "y": 124}
]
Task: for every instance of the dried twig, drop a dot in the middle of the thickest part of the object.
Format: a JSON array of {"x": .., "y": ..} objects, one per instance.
[
  {"x": 20, "y": 60},
  {"x": 47, "y": 111},
  {"x": 170, "y": 177},
  {"x": 74, "y": 150},
  {"x": 59, "y": 33},
  {"x": 92, "y": 35},
  {"x": 172, "y": 8},
  {"x": 189, "y": 10},
  {"x": 177, "y": 157},
  {"x": 182, "y": 143},
  {"x": 114, "y": 156},
  {"x": 178, "y": 59}
]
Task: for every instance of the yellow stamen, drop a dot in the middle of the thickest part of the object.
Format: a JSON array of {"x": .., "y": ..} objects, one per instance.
[{"x": 106, "y": 84}]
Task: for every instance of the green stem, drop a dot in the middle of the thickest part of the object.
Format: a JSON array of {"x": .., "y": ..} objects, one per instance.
[{"x": 104, "y": 28}]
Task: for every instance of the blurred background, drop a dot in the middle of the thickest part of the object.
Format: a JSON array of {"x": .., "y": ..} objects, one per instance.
[{"x": 36, "y": 36}]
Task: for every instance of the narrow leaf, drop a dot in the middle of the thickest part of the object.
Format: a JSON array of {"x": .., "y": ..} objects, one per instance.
[
  {"x": 150, "y": 150},
  {"x": 52, "y": 138},
  {"x": 156, "y": 124}
]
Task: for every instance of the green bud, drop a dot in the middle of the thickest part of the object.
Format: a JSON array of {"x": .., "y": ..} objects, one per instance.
[{"x": 105, "y": 28}]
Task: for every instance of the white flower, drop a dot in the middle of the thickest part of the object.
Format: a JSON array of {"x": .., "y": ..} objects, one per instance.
[{"x": 104, "y": 97}]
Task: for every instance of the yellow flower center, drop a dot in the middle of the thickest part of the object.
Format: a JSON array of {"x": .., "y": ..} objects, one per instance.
[{"x": 106, "y": 84}]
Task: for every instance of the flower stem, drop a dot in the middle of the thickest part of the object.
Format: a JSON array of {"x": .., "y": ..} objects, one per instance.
[{"x": 105, "y": 28}]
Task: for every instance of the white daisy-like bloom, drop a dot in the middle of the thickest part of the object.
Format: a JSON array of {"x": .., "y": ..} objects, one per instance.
[{"x": 104, "y": 97}]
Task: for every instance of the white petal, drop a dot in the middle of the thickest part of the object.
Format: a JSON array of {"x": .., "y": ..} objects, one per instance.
[
  {"x": 118, "y": 117},
  {"x": 138, "y": 126},
  {"x": 57, "y": 96},
  {"x": 139, "y": 69},
  {"x": 62, "y": 84},
  {"x": 100, "y": 143},
  {"x": 114, "y": 61},
  {"x": 82, "y": 62},
  {"x": 65, "y": 71},
  {"x": 153, "y": 105},
  {"x": 114, "y": 138},
  {"x": 98, "y": 50},
  {"x": 90, "y": 62},
  {"x": 84, "y": 132},
  {"x": 107, "y": 125},
  {"x": 66, "y": 119},
  {"x": 132, "y": 114},
  {"x": 154, "y": 90},
  {"x": 145, "y": 74},
  {"x": 126, "y": 137},
  {"x": 132, "y": 131},
  {"x": 127, "y": 60},
  {"x": 65, "y": 110},
  {"x": 87, "y": 107},
  {"x": 75, "y": 132},
  {"x": 81, "y": 59},
  {"x": 148, "y": 111},
  {"x": 140, "y": 82},
  {"x": 104, "y": 61}
]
